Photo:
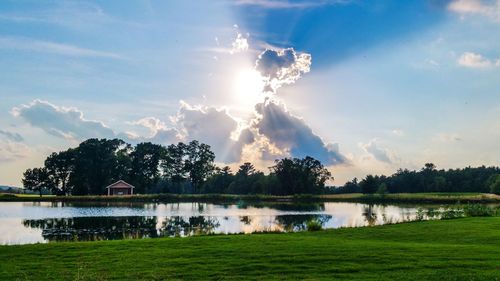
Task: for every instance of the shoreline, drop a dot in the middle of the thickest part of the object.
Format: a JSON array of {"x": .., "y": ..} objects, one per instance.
[{"x": 427, "y": 198}]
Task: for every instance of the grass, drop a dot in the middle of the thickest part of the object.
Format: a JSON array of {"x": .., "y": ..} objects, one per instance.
[
  {"x": 440, "y": 198},
  {"x": 458, "y": 249}
]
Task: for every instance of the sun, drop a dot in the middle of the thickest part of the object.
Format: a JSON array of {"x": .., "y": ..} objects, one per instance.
[{"x": 248, "y": 86}]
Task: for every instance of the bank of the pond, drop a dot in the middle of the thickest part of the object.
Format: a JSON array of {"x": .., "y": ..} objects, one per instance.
[
  {"x": 458, "y": 249},
  {"x": 443, "y": 198}
]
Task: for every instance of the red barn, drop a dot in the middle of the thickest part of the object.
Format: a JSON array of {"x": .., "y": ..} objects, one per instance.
[{"x": 120, "y": 188}]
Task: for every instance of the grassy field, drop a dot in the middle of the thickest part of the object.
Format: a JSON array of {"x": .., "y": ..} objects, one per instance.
[
  {"x": 458, "y": 249},
  {"x": 229, "y": 198}
]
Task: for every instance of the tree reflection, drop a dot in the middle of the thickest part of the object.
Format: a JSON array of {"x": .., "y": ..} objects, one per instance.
[
  {"x": 299, "y": 222},
  {"x": 370, "y": 215},
  {"x": 177, "y": 226},
  {"x": 246, "y": 220},
  {"x": 112, "y": 228},
  {"x": 95, "y": 228}
]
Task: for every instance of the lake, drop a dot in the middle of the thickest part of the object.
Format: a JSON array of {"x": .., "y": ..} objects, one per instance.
[{"x": 41, "y": 222}]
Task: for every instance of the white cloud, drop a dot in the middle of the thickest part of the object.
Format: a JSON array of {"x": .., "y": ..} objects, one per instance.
[
  {"x": 65, "y": 122},
  {"x": 490, "y": 9},
  {"x": 25, "y": 44},
  {"x": 473, "y": 60},
  {"x": 12, "y": 150},
  {"x": 240, "y": 44},
  {"x": 214, "y": 127},
  {"x": 153, "y": 124},
  {"x": 379, "y": 153},
  {"x": 292, "y": 135},
  {"x": 282, "y": 67},
  {"x": 398, "y": 132}
]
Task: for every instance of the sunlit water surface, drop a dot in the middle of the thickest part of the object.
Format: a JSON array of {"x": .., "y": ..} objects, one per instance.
[{"x": 33, "y": 222}]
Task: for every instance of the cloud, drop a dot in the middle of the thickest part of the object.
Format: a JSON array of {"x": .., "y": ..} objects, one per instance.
[
  {"x": 12, "y": 151},
  {"x": 15, "y": 137},
  {"x": 240, "y": 44},
  {"x": 25, "y": 44},
  {"x": 158, "y": 132},
  {"x": 490, "y": 9},
  {"x": 398, "y": 132},
  {"x": 282, "y": 67},
  {"x": 473, "y": 60},
  {"x": 285, "y": 4},
  {"x": 68, "y": 123},
  {"x": 214, "y": 127},
  {"x": 379, "y": 153},
  {"x": 291, "y": 134},
  {"x": 446, "y": 137}
]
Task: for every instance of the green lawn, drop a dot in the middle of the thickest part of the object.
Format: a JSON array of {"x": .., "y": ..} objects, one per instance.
[{"x": 459, "y": 249}]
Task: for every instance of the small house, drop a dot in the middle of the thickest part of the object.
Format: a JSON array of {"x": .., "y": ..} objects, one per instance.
[{"x": 120, "y": 188}]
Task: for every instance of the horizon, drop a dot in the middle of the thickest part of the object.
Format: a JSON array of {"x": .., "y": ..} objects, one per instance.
[{"x": 366, "y": 88}]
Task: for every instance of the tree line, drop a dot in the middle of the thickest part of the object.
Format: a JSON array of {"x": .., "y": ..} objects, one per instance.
[
  {"x": 177, "y": 168},
  {"x": 428, "y": 179}
]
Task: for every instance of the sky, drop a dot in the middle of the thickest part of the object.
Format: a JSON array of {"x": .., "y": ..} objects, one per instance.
[{"x": 367, "y": 87}]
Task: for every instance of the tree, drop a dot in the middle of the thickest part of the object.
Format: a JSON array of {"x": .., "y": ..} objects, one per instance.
[
  {"x": 173, "y": 165},
  {"x": 219, "y": 181},
  {"x": 36, "y": 179},
  {"x": 145, "y": 162},
  {"x": 96, "y": 165},
  {"x": 246, "y": 180},
  {"x": 494, "y": 184},
  {"x": 382, "y": 189},
  {"x": 59, "y": 167},
  {"x": 369, "y": 184},
  {"x": 296, "y": 176},
  {"x": 199, "y": 163}
]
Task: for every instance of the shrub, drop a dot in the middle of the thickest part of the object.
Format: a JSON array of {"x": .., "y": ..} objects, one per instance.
[
  {"x": 420, "y": 214},
  {"x": 432, "y": 213},
  {"x": 314, "y": 225},
  {"x": 451, "y": 213},
  {"x": 478, "y": 210}
]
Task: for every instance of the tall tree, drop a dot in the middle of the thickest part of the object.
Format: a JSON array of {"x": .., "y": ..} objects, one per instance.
[
  {"x": 60, "y": 166},
  {"x": 297, "y": 176},
  {"x": 199, "y": 163},
  {"x": 36, "y": 179},
  {"x": 145, "y": 171},
  {"x": 369, "y": 184},
  {"x": 95, "y": 165},
  {"x": 173, "y": 165}
]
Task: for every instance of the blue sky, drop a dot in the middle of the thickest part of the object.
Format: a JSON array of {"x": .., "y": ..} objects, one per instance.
[{"x": 364, "y": 86}]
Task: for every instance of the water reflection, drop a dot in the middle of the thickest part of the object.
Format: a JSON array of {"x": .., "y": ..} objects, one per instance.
[
  {"x": 290, "y": 223},
  {"x": 31, "y": 222},
  {"x": 112, "y": 228}
]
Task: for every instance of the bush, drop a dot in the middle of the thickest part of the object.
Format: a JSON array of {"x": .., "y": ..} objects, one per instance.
[
  {"x": 451, "y": 213},
  {"x": 420, "y": 215},
  {"x": 314, "y": 225},
  {"x": 478, "y": 210}
]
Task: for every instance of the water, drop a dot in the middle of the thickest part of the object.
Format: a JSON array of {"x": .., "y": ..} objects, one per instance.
[{"x": 41, "y": 222}]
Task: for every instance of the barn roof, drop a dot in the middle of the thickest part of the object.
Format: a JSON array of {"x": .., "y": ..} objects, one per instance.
[{"x": 120, "y": 184}]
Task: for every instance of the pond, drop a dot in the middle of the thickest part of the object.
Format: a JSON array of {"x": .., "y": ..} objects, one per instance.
[{"x": 40, "y": 222}]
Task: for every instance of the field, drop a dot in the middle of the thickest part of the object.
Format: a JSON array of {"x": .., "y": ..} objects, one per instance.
[
  {"x": 231, "y": 198},
  {"x": 458, "y": 249}
]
